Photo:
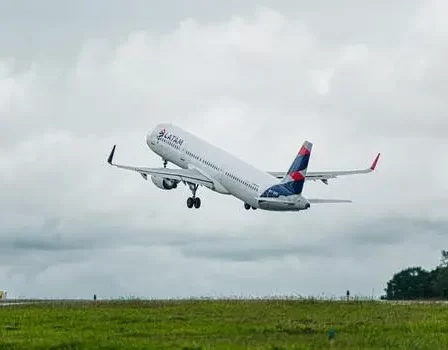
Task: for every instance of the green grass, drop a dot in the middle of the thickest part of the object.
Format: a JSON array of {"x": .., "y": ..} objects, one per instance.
[{"x": 224, "y": 325}]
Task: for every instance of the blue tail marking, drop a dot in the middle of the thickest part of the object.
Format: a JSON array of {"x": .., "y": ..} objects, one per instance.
[{"x": 294, "y": 180}]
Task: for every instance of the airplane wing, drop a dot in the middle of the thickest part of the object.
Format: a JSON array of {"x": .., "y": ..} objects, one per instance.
[
  {"x": 186, "y": 175},
  {"x": 290, "y": 203},
  {"x": 325, "y": 175}
]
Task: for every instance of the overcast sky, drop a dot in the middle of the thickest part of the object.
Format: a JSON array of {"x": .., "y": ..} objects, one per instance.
[{"x": 256, "y": 78}]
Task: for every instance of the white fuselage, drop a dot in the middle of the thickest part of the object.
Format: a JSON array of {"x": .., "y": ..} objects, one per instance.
[{"x": 230, "y": 174}]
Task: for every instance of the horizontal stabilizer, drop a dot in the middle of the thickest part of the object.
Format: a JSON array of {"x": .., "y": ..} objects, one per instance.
[
  {"x": 275, "y": 200},
  {"x": 318, "y": 201}
]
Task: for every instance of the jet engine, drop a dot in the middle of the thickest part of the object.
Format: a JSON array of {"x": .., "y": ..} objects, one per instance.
[
  {"x": 164, "y": 184},
  {"x": 303, "y": 204}
]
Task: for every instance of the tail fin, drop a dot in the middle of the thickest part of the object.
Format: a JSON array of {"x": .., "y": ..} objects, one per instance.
[{"x": 295, "y": 177}]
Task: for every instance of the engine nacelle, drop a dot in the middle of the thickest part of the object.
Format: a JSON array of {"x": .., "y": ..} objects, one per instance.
[
  {"x": 164, "y": 184},
  {"x": 303, "y": 204}
]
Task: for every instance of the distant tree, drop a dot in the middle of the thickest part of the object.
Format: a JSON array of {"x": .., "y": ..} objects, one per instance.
[
  {"x": 434, "y": 273},
  {"x": 410, "y": 283},
  {"x": 440, "y": 276},
  {"x": 440, "y": 284},
  {"x": 417, "y": 283},
  {"x": 444, "y": 259}
]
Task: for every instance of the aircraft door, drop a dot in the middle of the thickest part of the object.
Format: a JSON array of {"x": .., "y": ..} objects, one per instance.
[
  {"x": 182, "y": 154},
  {"x": 221, "y": 174}
]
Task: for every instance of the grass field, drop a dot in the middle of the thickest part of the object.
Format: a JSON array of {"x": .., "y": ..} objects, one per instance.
[{"x": 224, "y": 325}]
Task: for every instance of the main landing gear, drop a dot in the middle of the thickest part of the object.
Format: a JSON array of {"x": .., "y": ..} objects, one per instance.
[
  {"x": 247, "y": 206},
  {"x": 165, "y": 162},
  {"x": 193, "y": 201}
]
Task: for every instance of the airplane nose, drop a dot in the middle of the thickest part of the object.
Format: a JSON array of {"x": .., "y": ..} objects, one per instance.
[{"x": 149, "y": 137}]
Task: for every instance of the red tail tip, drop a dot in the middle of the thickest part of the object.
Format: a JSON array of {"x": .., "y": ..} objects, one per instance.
[
  {"x": 375, "y": 162},
  {"x": 304, "y": 151}
]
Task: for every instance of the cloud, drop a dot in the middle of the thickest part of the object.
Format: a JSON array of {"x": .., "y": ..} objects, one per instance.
[
  {"x": 355, "y": 241},
  {"x": 256, "y": 82}
]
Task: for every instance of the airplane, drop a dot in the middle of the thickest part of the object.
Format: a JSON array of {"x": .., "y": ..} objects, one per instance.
[{"x": 203, "y": 164}]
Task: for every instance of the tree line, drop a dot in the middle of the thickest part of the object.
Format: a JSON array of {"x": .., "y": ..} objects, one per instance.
[{"x": 418, "y": 283}]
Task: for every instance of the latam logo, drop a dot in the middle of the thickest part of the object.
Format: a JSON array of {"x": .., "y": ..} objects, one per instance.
[
  {"x": 169, "y": 137},
  {"x": 161, "y": 133}
]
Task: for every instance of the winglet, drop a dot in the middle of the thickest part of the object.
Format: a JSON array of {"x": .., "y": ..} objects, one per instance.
[
  {"x": 111, "y": 155},
  {"x": 375, "y": 162}
]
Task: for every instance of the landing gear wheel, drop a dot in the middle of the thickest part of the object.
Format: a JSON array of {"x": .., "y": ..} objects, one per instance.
[
  {"x": 254, "y": 208},
  {"x": 193, "y": 201},
  {"x": 246, "y": 206}
]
